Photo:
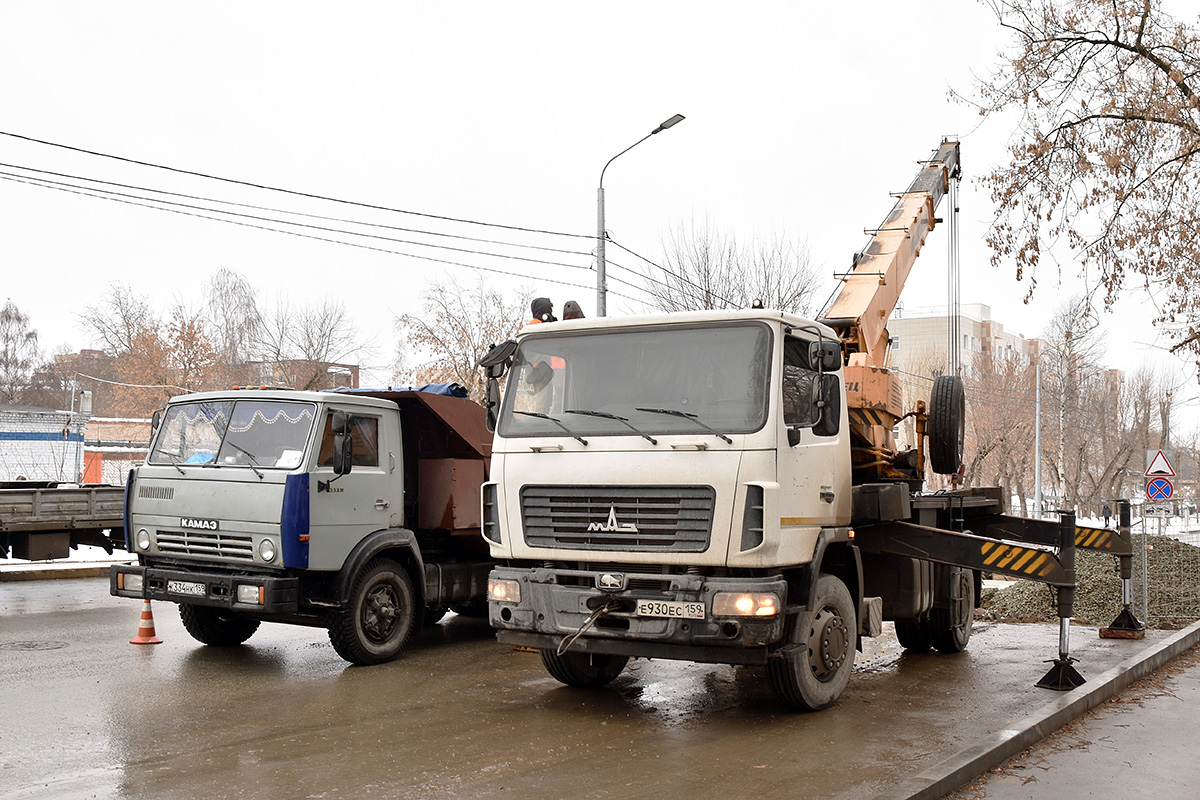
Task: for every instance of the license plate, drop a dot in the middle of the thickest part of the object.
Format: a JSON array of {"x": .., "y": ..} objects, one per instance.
[
  {"x": 670, "y": 608},
  {"x": 187, "y": 587}
]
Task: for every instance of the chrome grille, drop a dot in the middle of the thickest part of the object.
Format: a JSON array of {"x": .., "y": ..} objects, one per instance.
[
  {"x": 206, "y": 543},
  {"x": 673, "y": 519}
]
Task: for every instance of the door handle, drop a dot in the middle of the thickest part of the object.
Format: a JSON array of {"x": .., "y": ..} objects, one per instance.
[{"x": 382, "y": 504}]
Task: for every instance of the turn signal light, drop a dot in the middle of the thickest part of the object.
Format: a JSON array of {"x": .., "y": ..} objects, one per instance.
[{"x": 747, "y": 604}]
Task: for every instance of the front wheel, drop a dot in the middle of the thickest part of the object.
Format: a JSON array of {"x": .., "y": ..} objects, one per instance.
[
  {"x": 584, "y": 670},
  {"x": 815, "y": 663},
  {"x": 218, "y": 627},
  {"x": 380, "y": 617}
]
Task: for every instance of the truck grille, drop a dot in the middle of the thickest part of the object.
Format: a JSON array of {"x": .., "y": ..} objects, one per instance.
[
  {"x": 672, "y": 519},
  {"x": 206, "y": 543}
]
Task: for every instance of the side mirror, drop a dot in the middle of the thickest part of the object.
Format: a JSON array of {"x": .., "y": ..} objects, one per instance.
[
  {"x": 343, "y": 443},
  {"x": 498, "y": 358},
  {"x": 828, "y": 391},
  {"x": 155, "y": 421},
  {"x": 825, "y": 355},
  {"x": 491, "y": 404}
]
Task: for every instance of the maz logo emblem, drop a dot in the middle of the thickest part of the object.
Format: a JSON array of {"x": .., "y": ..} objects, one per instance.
[
  {"x": 612, "y": 526},
  {"x": 610, "y": 582}
]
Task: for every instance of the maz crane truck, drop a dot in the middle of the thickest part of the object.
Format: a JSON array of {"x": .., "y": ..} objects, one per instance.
[
  {"x": 358, "y": 512},
  {"x": 724, "y": 487}
]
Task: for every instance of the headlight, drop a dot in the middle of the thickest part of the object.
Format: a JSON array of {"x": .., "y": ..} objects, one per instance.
[
  {"x": 503, "y": 591},
  {"x": 142, "y": 540},
  {"x": 129, "y": 582},
  {"x": 266, "y": 550},
  {"x": 744, "y": 604},
  {"x": 250, "y": 594}
]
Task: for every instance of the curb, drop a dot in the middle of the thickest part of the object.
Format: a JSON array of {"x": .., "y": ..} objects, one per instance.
[
  {"x": 54, "y": 573},
  {"x": 993, "y": 750}
]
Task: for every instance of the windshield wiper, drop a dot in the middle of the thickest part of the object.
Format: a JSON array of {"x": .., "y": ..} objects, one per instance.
[
  {"x": 572, "y": 433},
  {"x": 607, "y": 415},
  {"x": 174, "y": 460},
  {"x": 249, "y": 455},
  {"x": 673, "y": 413}
]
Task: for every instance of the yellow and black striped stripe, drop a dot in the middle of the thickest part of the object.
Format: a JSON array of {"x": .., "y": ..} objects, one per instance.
[
  {"x": 1095, "y": 538},
  {"x": 870, "y": 416},
  {"x": 1017, "y": 560}
]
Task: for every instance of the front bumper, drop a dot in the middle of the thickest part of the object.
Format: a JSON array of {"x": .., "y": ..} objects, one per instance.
[
  {"x": 275, "y": 594},
  {"x": 556, "y": 603}
]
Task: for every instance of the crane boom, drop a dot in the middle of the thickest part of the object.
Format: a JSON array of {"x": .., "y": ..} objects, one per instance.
[{"x": 860, "y": 314}]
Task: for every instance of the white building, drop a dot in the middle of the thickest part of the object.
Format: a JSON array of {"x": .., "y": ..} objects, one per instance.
[{"x": 40, "y": 444}]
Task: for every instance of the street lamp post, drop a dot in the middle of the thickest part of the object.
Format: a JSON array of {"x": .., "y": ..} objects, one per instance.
[{"x": 601, "y": 278}]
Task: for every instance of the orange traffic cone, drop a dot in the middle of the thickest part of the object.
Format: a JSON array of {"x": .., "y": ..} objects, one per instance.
[{"x": 145, "y": 631}]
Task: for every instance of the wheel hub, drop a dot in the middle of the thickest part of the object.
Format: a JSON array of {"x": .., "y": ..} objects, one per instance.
[
  {"x": 379, "y": 614},
  {"x": 828, "y": 643}
]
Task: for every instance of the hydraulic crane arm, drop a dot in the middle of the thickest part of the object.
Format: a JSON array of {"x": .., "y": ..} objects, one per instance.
[{"x": 873, "y": 287}]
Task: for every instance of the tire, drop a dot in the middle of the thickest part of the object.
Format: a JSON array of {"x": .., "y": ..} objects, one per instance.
[
  {"x": 950, "y": 627},
  {"x": 913, "y": 634},
  {"x": 584, "y": 670},
  {"x": 947, "y": 424},
  {"x": 380, "y": 618},
  {"x": 816, "y": 661},
  {"x": 218, "y": 627}
]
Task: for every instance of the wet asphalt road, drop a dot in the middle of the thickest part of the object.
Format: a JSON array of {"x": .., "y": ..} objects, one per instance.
[{"x": 86, "y": 714}]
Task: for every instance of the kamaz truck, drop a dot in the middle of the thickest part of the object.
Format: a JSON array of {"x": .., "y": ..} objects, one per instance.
[
  {"x": 354, "y": 511},
  {"x": 725, "y": 486}
]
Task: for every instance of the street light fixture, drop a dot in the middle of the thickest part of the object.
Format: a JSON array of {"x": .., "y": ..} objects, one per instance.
[{"x": 601, "y": 281}]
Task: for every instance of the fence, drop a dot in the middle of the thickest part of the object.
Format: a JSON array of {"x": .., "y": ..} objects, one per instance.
[{"x": 1166, "y": 571}]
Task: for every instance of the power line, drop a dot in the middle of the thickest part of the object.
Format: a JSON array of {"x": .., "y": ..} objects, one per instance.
[
  {"x": 293, "y": 192},
  {"x": 678, "y": 277},
  {"x": 287, "y": 211},
  {"x": 111, "y": 195},
  {"x": 302, "y": 235}
]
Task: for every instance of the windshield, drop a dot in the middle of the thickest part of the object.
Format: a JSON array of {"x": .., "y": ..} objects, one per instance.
[
  {"x": 254, "y": 433},
  {"x": 659, "y": 380}
]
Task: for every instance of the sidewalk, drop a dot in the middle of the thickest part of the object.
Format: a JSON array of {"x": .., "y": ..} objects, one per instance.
[
  {"x": 1168, "y": 728},
  {"x": 1139, "y": 744}
]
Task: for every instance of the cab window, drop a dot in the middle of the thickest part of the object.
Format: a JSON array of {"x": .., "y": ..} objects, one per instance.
[
  {"x": 365, "y": 433},
  {"x": 799, "y": 379}
]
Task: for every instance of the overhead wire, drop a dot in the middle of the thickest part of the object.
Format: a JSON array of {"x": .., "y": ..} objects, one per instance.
[
  {"x": 293, "y": 192},
  {"x": 109, "y": 193},
  {"x": 675, "y": 275},
  {"x": 90, "y": 193},
  {"x": 293, "y": 213}
]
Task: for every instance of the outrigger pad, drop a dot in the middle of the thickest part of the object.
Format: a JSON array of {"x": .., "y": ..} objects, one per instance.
[
  {"x": 1125, "y": 626},
  {"x": 1062, "y": 677}
]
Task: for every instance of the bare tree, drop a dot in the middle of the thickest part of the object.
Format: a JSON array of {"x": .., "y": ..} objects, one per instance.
[
  {"x": 1106, "y": 156},
  {"x": 120, "y": 319},
  {"x": 18, "y": 352},
  {"x": 235, "y": 322},
  {"x": 457, "y": 327},
  {"x": 707, "y": 269},
  {"x": 304, "y": 341}
]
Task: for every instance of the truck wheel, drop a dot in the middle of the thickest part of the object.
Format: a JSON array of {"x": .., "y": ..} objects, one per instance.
[
  {"x": 380, "y": 617},
  {"x": 947, "y": 424},
  {"x": 950, "y": 628},
  {"x": 585, "y": 670},
  {"x": 913, "y": 634},
  {"x": 218, "y": 627},
  {"x": 818, "y": 657}
]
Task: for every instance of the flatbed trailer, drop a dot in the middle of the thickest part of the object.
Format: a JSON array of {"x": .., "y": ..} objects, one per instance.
[{"x": 42, "y": 521}]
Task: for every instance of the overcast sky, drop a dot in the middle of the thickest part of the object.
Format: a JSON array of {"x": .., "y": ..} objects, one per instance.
[{"x": 799, "y": 121}]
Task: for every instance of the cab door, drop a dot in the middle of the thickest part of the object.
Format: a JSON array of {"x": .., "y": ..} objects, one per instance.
[{"x": 344, "y": 509}]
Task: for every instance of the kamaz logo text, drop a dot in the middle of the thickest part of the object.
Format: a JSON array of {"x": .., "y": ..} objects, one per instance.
[
  {"x": 612, "y": 526},
  {"x": 199, "y": 524}
]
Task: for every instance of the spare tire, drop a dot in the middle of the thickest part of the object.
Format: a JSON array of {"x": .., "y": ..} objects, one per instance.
[{"x": 947, "y": 424}]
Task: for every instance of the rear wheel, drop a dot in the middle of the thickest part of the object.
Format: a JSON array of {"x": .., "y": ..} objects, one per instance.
[
  {"x": 818, "y": 657},
  {"x": 218, "y": 627},
  {"x": 950, "y": 625},
  {"x": 947, "y": 424},
  {"x": 585, "y": 670},
  {"x": 913, "y": 634},
  {"x": 380, "y": 618}
]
